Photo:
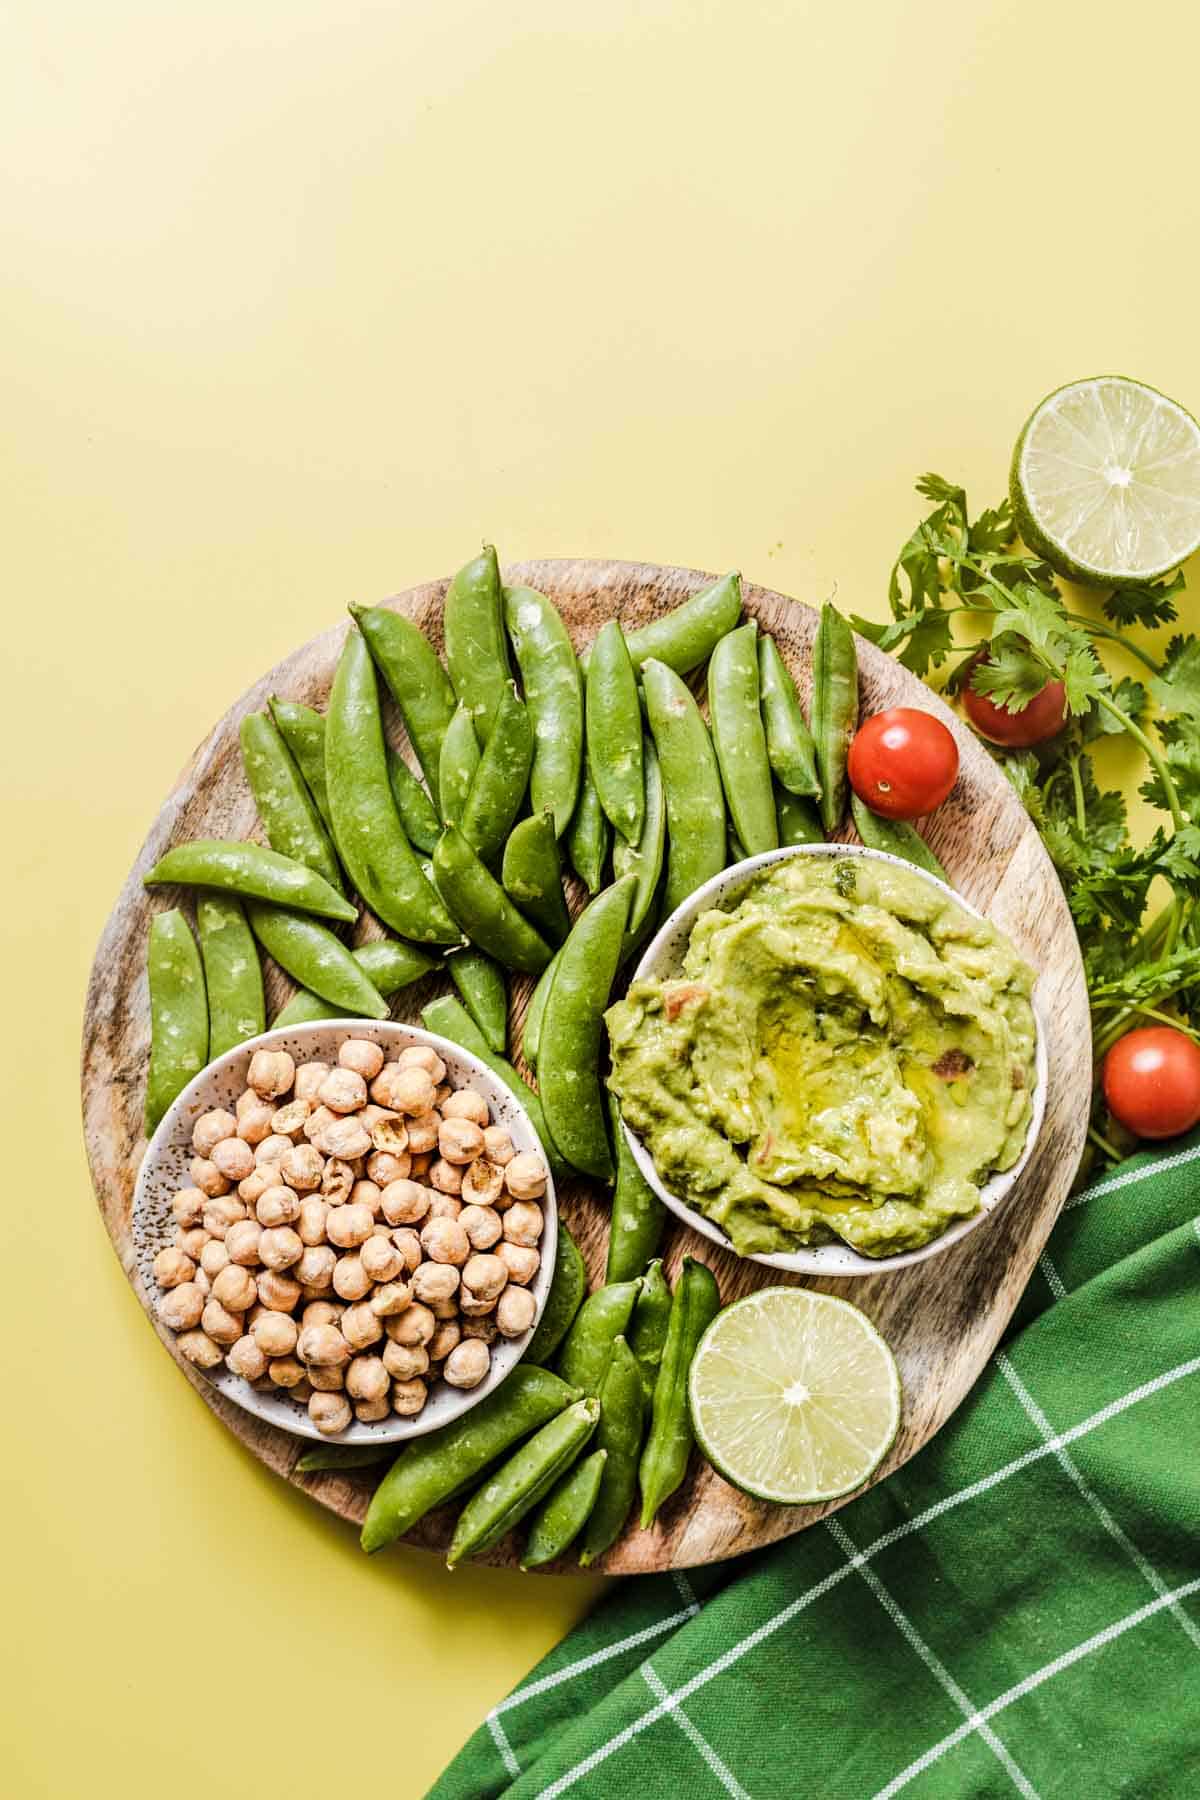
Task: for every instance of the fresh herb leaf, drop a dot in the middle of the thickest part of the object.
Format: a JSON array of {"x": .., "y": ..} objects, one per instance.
[{"x": 1148, "y": 603}]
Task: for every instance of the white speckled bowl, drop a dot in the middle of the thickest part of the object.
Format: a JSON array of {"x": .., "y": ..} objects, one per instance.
[
  {"x": 164, "y": 1172},
  {"x": 663, "y": 958}
]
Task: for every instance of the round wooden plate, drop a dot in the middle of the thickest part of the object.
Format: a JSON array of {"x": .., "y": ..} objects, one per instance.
[{"x": 941, "y": 1318}]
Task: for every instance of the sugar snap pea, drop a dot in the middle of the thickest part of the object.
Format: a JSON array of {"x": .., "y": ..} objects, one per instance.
[
  {"x": 531, "y": 1035},
  {"x": 482, "y": 908},
  {"x": 318, "y": 960},
  {"x": 587, "y": 1348},
  {"x": 695, "y": 802},
  {"x": 498, "y": 784},
  {"x": 303, "y": 731},
  {"x": 620, "y": 1433},
  {"x": 232, "y": 973},
  {"x": 517, "y": 1486},
  {"x": 532, "y": 875},
  {"x": 568, "y": 1285},
  {"x": 696, "y": 1303},
  {"x": 429, "y": 1469},
  {"x": 418, "y": 815},
  {"x": 789, "y": 742},
  {"x": 561, "y": 1516},
  {"x": 484, "y": 991},
  {"x": 572, "y": 1030},
  {"x": 341, "y": 1456},
  {"x": 684, "y": 637},
  {"x": 896, "y": 837},
  {"x": 739, "y": 739},
  {"x": 613, "y": 716},
  {"x": 458, "y": 763},
  {"x": 799, "y": 820},
  {"x": 449, "y": 1018},
  {"x": 476, "y": 647},
  {"x": 366, "y": 825},
  {"x": 648, "y": 1326},
  {"x": 288, "y": 812},
  {"x": 589, "y": 834},
  {"x": 252, "y": 872},
  {"x": 178, "y": 1013},
  {"x": 389, "y": 964},
  {"x": 638, "y": 1215},
  {"x": 834, "y": 709},
  {"x": 554, "y": 696},
  {"x": 645, "y": 858},
  {"x": 416, "y": 679}
]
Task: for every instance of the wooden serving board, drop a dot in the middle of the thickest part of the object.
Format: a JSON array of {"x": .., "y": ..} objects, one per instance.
[{"x": 942, "y": 1318}]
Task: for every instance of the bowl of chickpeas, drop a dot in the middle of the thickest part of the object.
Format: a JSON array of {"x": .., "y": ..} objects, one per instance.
[{"x": 348, "y": 1227}]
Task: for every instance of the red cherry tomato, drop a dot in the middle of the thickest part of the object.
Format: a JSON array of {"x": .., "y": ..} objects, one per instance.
[
  {"x": 1152, "y": 1082},
  {"x": 903, "y": 763},
  {"x": 1041, "y": 720}
]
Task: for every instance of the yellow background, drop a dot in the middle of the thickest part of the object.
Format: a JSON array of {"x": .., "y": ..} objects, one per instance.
[{"x": 300, "y": 298}]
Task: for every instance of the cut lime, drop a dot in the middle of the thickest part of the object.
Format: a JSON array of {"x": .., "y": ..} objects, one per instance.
[
  {"x": 1106, "y": 482},
  {"x": 795, "y": 1397}
]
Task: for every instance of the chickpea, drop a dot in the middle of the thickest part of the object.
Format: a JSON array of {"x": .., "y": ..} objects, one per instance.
[
  {"x": 234, "y": 1288},
  {"x": 254, "y": 1124},
  {"x": 445, "y": 1176},
  {"x": 435, "y": 1281},
  {"x": 199, "y": 1349},
  {"x": 316, "y": 1122},
  {"x": 389, "y": 1134},
  {"x": 420, "y": 1164},
  {"x": 301, "y": 1167},
  {"x": 275, "y": 1333},
  {"x": 366, "y": 1193},
  {"x": 310, "y": 1221},
  {"x": 471, "y": 1308},
  {"x": 343, "y": 1090},
  {"x": 370, "y": 1412},
  {"x": 415, "y": 1325},
  {"x": 460, "y": 1141},
  {"x": 405, "y": 1361},
  {"x": 380, "y": 1258},
  {"x": 330, "y": 1413},
  {"x": 309, "y": 1077},
  {"x": 245, "y": 1100},
  {"x": 221, "y": 1213},
  {"x": 383, "y": 1167},
  {"x": 246, "y": 1359},
  {"x": 280, "y": 1247},
  {"x": 409, "y": 1245},
  {"x": 483, "y": 1182},
  {"x": 441, "y": 1095},
  {"x": 483, "y": 1327},
  {"x": 346, "y": 1138},
  {"x": 445, "y": 1241},
  {"x": 443, "y": 1206},
  {"x": 234, "y": 1158},
  {"x": 210, "y": 1128},
  {"x": 271, "y": 1073},
  {"x": 323, "y": 1345},
  {"x": 203, "y": 1281},
  {"x": 423, "y": 1056},
  {"x": 525, "y": 1177},
  {"x": 241, "y": 1241},
  {"x": 423, "y": 1132},
  {"x": 191, "y": 1242},
  {"x": 467, "y": 1364},
  {"x": 277, "y": 1205},
  {"x": 278, "y": 1293},
  {"x": 447, "y": 1335},
  {"x": 467, "y": 1103},
  {"x": 360, "y": 1326},
  {"x": 337, "y": 1181},
  {"x": 482, "y": 1226},
  {"x": 350, "y": 1279},
  {"x": 289, "y": 1120},
  {"x": 523, "y": 1222},
  {"x": 172, "y": 1267},
  {"x": 215, "y": 1256},
  {"x": 367, "y": 1378},
  {"x": 408, "y": 1398},
  {"x": 404, "y": 1202},
  {"x": 497, "y": 1144},
  {"x": 322, "y": 1312},
  {"x": 286, "y": 1372},
  {"x": 207, "y": 1177},
  {"x": 361, "y": 1055},
  {"x": 410, "y": 1091},
  {"x": 485, "y": 1277},
  {"x": 181, "y": 1307},
  {"x": 515, "y": 1311},
  {"x": 257, "y": 1182},
  {"x": 315, "y": 1268},
  {"x": 267, "y": 1154},
  {"x": 391, "y": 1298},
  {"x": 222, "y": 1326},
  {"x": 444, "y": 1309},
  {"x": 521, "y": 1262},
  {"x": 188, "y": 1206},
  {"x": 348, "y": 1226}
]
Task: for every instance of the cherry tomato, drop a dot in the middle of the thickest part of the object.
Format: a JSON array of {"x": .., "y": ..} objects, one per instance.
[
  {"x": 903, "y": 763},
  {"x": 1041, "y": 720},
  {"x": 1152, "y": 1082}
]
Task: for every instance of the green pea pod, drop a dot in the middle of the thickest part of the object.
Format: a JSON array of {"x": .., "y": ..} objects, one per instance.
[
  {"x": 664, "y": 1460},
  {"x": 789, "y": 742},
  {"x": 476, "y": 647},
  {"x": 252, "y": 872},
  {"x": 572, "y": 1030},
  {"x": 645, "y": 858},
  {"x": 587, "y": 1348},
  {"x": 429, "y": 1469},
  {"x": 481, "y": 983},
  {"x": 178, "y": 1013},
  {"x": 499, "y": 783},
  {"x": 459, "y": 761},
  {"x": 485, "y": 912},
  {"x": 685, "y": 637},
  {"x": 799, "y": 820},
  {"x": 568, "y": 1285},
  {"x": 531, "y": 1036},
  {"x": 614, "y": 732},
  {"x": 415, "y": 678},
  {"x": 532, "y": 875},
  {"x": 232, "y": 973},
  {"x": 739, "y": 739},
  {"x": 336, "y": 1457},
  {"x": 303, "y": 731},
  {"x": 620, "y": 1433},
  {"x": 562, "y": 1514},
  {"x": 638, "y": 1215},
  {"x": 517, "y": 1486},
  {"x": 737, "y": 850},
  {"x": 834, "y": 710},
  {"x": 589, "y": 835},
  {"x": 695, "y": 801},
  {"x": 896, "y": 837},
  {"x": 290, "y": 818},
  {"x": 389, "y": 964},
  {"x": 648, "y": 1327},
  {"x": 418, "y": 815},
  {"x": 366, "y": 825},
  {"x": 311, "y": 955},
  {"x": 449, "y": 1018},
  {"x": 553, "y": 694}
]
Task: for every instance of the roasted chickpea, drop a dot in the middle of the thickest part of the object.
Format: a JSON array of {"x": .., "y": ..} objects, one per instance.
[
  {"x": 310, "y": 1224},
  {"x": 471, "y": 1308},
  {"x": 391, "y": 1298},
  {"x": 404, "y": 1202},
  {"x": 345, "y": 1138},
  {"x": 483, "y": 1326},
  {"x": 192, "y": 1242},
  {"x": 342, "y": 1091},
  {"x": 286, "y": 1372},
  {"x": 415, "y": 1325},
  {"x": 315, "y": 1267},
  {"x": 267, "y": 1154},
  {"x": 435, "y": 1281},
  {"x": 323, "y": 1345},
  {"x": 234, "y": 1288},
  {"x": 181, "y": 1307},
  {"x": 301, "y": 1166},
  {"x": 309, "y": 1077},
  {"x": 370, "y": 1412},
  {"x": 443, "y": 1206},
  {"x": 523, "y": 1222},
  {"x": 441, "y": 1094},
  {"x": 173, "y": 1267},
  {"x": 483, "y": 1182},
  {"x": 222, "y": 1326},
  {"x": 383, "y": 1167},
  {"x": 254, "y": 1124},
  {"x": 459, "y": 1140},
  {"x": 271, "y": 1073},
  {"x": 234, "y": 1158},
  {"x": 525, "y": 1177},
  {"x": 482, "y": 1226},
  {"x": 521, "y": 1262},
  {"x": 350, "y": 1279},
  {"x": 337, "y": 1182},
  {"x": 445, "y": 1241},
  {"x": 203, "y": 1281},
  {"x": 280, "y": 1248},
  {"x": 389, "y": 1135},
  {"x": 188, "y": 1206},
  {"x": 221, "y": 1213},
  {"x": 380, "y": 1258},
  {"x": 279, "y": 1293},
  {"x": 246, "y": 1359},
  {"x": 277, "y": 1205},
  {"x": 363, "y": 1056},
  {"x": 330, "y": 1413},
  {"x": 408, "y": 1398},
  {"x": 467, "y": 1364},
  {"x": 420, "y": 1165},
  {"x": 410, "y": 1091},
  {"x": 257, "y": 1182},
  {"x": 201, "y": 1350},
  {"x": 445, "y": 1176},
  {"x": 423, "y": 1133},
  {"x": 211, "y": 1128},
  {"x": 326, "y": 1379},
  {"x": 241, "y": 1241},
  {"x": 245, "y": 1100},
  {"x": 467, "y": 1103},
  {"x": 275, "y": 1333},
  {"x": 322, "y": 1312},
  {"x": 515, "y": 1311},
  {"x": 348, "y": 1226},
  {"x": 316, "y": 1122},
  {"x": 484, "y": 1277},
  {"x": 448, "y": 1333},
  {"x": 207, "y": 1177},
  {"x": 288, "y": 1121},
  {"x": 445, "y": 1309},
  {"x": 360, "y": 1326},
  {"x": 423, "y": 1056},
  {"x": 405, "y": 1361},
  {"x": 366, "y": 1378},
  {"x": 408, "y": 1244},
  {"x": 497, "y": 1144}
]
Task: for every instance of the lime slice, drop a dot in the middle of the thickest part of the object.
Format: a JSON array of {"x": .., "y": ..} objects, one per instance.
[
  {"x": 795, "y": 1396},
  {"x": 1106, "y": 482}
]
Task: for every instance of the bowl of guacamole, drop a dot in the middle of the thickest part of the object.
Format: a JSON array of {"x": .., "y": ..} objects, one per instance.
[{"x": 828, "y": 1062}]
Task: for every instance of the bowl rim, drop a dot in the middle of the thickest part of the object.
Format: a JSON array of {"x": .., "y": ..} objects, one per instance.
[
  {"x": 838, "y": 1260},
  {"x": 287, "y": 1415}
]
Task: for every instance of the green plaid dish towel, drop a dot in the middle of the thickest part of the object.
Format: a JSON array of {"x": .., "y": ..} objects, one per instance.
[{"x": 1017, "y": 1610}]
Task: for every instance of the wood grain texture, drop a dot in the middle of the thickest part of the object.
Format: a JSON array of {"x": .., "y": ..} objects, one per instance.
[{"x": 942, "y": 1318}]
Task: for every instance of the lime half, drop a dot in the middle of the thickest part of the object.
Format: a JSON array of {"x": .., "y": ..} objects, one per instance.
[
  {"x": 1106, "y": 482},
  {"x": 795, "y": 1396}
]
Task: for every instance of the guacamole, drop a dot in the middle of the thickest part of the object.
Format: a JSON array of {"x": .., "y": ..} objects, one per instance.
[{"x": 848, "y": 1053}]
